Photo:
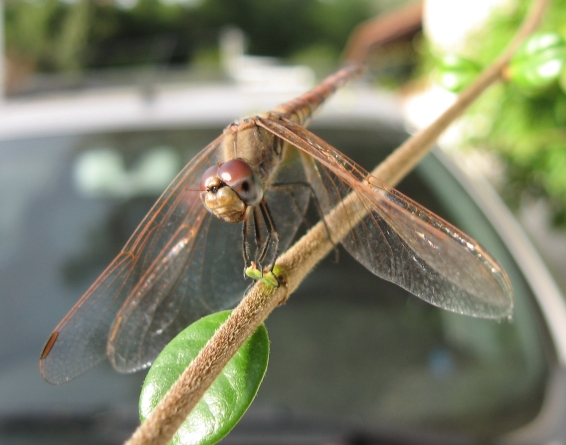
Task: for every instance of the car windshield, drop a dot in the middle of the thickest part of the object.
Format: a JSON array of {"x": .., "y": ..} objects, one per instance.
[{"x": 347, "y": 346}]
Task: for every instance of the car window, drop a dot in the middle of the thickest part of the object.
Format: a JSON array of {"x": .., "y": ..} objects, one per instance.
[{"x": 346, "y": 345}]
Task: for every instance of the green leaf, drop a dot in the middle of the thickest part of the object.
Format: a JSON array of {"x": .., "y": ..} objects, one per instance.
[
  {"x": 538, "y": 63},
  {"x": 230, "y": 395},
  {"x": 455, "y": 73}
]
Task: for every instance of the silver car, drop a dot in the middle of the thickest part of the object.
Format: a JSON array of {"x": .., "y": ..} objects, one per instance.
[{"x": 354, "y": 359}]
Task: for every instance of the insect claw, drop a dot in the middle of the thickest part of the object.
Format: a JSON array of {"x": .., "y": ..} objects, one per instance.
[
  {"x": 268, "y": 275},
  {"x": 270, "y": 278},
  {"x": 253, "y": 271}
]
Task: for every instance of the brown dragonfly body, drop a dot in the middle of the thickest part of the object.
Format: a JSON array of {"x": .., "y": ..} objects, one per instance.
[{"x": 184, "y": 260}]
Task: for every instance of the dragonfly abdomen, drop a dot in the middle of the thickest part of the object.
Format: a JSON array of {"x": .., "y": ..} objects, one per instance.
[{"x": 302, "y": 108}]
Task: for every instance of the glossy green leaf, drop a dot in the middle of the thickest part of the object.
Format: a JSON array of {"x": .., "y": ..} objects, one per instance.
[
  {"x": 455, "y": 73},
  {"x": 539, "y": 62},
  {"x": 230, "y": 395}
]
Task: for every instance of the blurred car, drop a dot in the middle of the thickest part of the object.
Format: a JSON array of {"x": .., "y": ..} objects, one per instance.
[{"x": 354, "y": 359}]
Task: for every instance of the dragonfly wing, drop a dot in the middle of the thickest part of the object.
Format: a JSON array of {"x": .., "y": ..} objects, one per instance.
[
  {"x": 288, "y": 196},
  {"x": 428, "y": 257},
  {"x": 196, "y": 275},
  {"x": 80, "y": 340},
  {"x": 399, "y": 240}
]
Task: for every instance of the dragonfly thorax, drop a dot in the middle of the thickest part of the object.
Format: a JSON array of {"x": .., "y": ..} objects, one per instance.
[{"x": 228, "y": 189}]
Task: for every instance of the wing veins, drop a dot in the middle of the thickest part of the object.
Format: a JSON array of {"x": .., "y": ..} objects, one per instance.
[{"x": 388, "y": 205}]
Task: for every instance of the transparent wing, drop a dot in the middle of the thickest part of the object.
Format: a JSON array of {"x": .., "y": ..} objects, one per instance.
[
  {"x": 80, "y": 340},
  {"x": 196, "y": 275},
  {"x": 396, "y": 238},
  {"x": 200, "y": 272},
  {"x": 181, "y": 264}
]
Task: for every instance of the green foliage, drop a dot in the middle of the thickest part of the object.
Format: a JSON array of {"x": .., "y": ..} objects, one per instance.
[
  {"x": 226, "y": 401},
  {"x": 58, "y": 36},
  {"x": 73, "y": 36},
  {"x": 538, "y": 63},
  {"x": 524, "y": 120},
  {"x": 456, "y": 73},
  {"x": 31, "y": 25}
]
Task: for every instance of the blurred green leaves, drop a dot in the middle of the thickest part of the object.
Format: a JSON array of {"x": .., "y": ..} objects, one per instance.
[
  {"x": 455, "y": 73},
  {"x": 524, "y": 118},
  {"x": 54, "y": 35},
  {"x": 31, "y": 24},
  {"x": 538, "y": 63}
]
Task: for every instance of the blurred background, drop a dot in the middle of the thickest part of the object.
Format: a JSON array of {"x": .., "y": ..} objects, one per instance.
[
  {"x": 102, "y": 102},
  {"x": 78, "y": 39}
]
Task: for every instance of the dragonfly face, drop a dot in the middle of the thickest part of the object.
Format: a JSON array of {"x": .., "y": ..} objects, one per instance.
[{"x": 229, "y": 189}]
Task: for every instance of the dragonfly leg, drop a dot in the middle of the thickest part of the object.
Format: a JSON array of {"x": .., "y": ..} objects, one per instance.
[
  {"x": 260, "y": 245},
  {"x": 271, "y": 243},
  {"x": 258, "y": 216},
  {"x": 266, "y": 244},
  {"x": 245, "y": 244}
]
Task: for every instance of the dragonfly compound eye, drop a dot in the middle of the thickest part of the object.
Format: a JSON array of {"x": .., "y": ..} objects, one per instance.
[
  {"x": 240, "y": 177},
  {"x": 209, "y": 179}
]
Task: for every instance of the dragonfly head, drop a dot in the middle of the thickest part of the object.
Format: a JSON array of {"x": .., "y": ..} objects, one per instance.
[{"x": 228, "y": 189}]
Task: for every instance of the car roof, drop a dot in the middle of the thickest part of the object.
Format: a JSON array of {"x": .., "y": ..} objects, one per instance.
[{"x": 175, "y": 105}]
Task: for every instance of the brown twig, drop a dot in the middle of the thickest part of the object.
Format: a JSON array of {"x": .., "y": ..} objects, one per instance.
[{"x": 299, "y": 260}]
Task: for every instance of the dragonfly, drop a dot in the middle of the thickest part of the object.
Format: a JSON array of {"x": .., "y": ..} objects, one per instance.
[{"x": 245, "y": 195}]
